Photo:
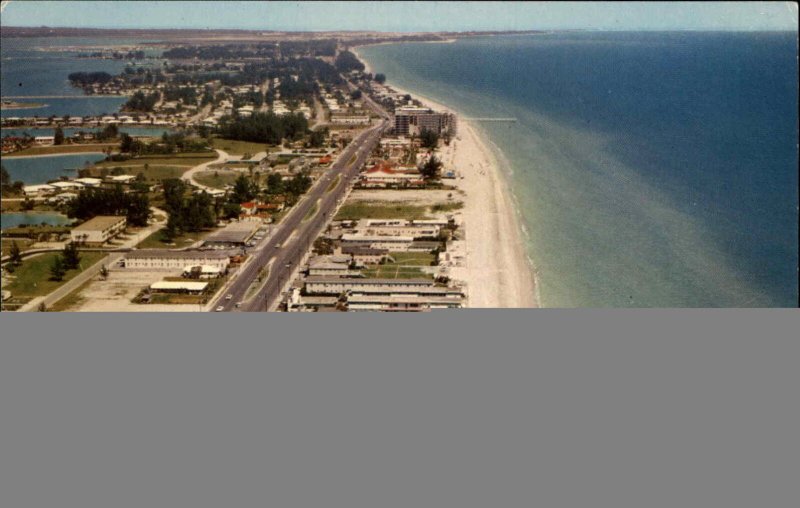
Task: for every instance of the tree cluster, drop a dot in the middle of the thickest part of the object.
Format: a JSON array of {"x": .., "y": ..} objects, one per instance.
[
  {"x": 264, "y": 128},
  {"x": 140, "y": 101},
  {"x": 347, "y": 61},
  {"x": 89, "y": 78},
  {"x": 192, "y": 214},
  {"x": 114, "y": 201}
]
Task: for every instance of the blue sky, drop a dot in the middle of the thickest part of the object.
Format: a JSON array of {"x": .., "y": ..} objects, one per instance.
[{"x": 405, "y": 16}]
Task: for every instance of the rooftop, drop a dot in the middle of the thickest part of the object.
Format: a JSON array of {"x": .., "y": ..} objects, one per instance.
[
  {"x": 100, "y": 222},
  {"x": 176, "y": 254}
]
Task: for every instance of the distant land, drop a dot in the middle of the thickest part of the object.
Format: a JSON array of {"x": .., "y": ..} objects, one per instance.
[{"x": 188, "y": 35}]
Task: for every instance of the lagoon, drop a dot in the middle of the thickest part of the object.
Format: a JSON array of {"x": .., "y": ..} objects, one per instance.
[
  {"x": 36, "y": 170},
  {"x": 14, "y": 219}
]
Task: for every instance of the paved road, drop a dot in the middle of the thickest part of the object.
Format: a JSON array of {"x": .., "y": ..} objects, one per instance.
[
  {"x": 283, "y": 250},
  {"x": 188, "y": 176}
]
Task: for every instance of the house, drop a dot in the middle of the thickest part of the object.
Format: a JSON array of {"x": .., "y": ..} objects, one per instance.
[
  {"x": 165, "y": 259},
  {"x": 44, "y": 140},
  {"x": 38, "y": 190},
  {"x": 202, "y": 271},
  {"x": 98, "y": 230},
  {"x": 400, "y": 303},
  {"x": 349, "y": 119},
  {"x": 249, "y": 207},
  {"x": 123, "y": 179},
  {"x": 89, "y": 182},
  {"x": 67, "y": 185}
]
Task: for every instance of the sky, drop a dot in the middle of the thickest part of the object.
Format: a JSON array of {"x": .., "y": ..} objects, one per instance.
[{"x": 404, "y": 16}]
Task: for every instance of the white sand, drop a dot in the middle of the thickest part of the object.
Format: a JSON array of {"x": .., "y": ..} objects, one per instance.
[{"x": 498, "y": 273}]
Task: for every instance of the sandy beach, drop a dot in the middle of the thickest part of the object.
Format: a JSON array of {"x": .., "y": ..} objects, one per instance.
[{"x": 498, "y": 273}]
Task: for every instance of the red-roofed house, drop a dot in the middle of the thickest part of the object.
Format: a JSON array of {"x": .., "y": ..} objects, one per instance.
[
  {"x": 249, "y": 207},
  {"x": 382, "y": 174}
]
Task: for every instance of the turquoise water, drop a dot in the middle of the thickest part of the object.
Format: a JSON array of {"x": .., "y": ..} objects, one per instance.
[
  {"x": 10, "y": 220},
  {"x": 35, "y": 170},
  {"x": 650, "y": 169}
]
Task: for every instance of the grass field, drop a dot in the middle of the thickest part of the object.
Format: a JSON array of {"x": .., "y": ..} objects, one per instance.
[
  {"x": 155, "y": 240},
  {"x": 234, "y": 147},
  {"x": 32, "y": 277},
  {"x": 73, "y": 299},
  {"x": 406, "y": 265},
  {"x": 23, "y": 244},
  {"x": 62, "y": 149},
  {"x": 381, "y": 210},
  {"x": 216, "y": 179}
]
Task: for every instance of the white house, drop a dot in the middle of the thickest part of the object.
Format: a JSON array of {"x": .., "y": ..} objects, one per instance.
[{"x": 38, "y": 190}]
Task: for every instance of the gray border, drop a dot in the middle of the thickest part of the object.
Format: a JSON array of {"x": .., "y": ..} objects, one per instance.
[{"x": 552, "y": 408}]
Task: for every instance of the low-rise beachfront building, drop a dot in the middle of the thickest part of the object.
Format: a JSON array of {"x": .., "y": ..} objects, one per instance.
[
  {"x": 401, "y": 303},
  {"x": 327, "y": 285},
  {"x": 98, "y": 230},
  {"x": 391, "y": 243},
  {"x": 382, "y": 175},
  {"x": 365, "y": 255},
  {"x": 165, "y": 259},
  {"x": 38, "y": 190},
  {"x": 411, "y": 230}
]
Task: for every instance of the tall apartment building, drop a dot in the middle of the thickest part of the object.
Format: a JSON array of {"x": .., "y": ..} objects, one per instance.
[{"x": 413, "y": 120}]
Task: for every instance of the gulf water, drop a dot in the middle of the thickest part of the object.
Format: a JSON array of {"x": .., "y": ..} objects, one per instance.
[{"x": 650, "y": 169}]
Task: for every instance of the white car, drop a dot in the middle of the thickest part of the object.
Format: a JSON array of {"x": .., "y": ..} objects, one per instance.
[
  {"x": 220, "y": 308},
  {"x": 229, "y": 297}
]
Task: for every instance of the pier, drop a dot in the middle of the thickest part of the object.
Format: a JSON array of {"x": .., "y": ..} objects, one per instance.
[{"x": 483, "y": 119}]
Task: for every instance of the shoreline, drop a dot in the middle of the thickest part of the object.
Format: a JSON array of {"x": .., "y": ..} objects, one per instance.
[
  {"x": 12, "y": 156},
  {"x": 498, "y": 273}
]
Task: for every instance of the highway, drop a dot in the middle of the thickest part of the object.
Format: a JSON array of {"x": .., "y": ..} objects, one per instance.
[{"x": 293, "y": 237}]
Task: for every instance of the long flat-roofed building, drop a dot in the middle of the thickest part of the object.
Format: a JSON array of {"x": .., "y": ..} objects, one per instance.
[
  {"x": 235, "y": 234},
  {"x": 98, "y": 230},
  {"x": 164, "y": 259}
]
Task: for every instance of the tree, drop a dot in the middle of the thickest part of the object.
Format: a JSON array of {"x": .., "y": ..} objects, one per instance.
[
  {"x": 243, "y": 190},
  {"x": 71, "y": 257},
  {"x": 274, "y": 183},
  {"x": 57, "y": 270},
  {"x": 380, "y": 78},
  {"x": 126, "y": 143},
  {"x": 430, "y": 170},
  {"x": 15, "y": 254},
  {"x": 104, "y": 272},
  {"x": 5, "y": 178},
  {"x": 58, "y": 137},
  {"x": 428, "y": 138},
  {"x": 355, "y": 94},
  {"x": 42, "y": 307},
  {"x": 27, "y": 205}
]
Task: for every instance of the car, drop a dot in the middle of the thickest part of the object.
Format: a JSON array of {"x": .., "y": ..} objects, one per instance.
[
  {"x": 288, "y": 264},
  {"x": 220, "y": 308},
  {"x": 238, "y": 304},
  {"x": 277, "y": 246},
  {"x": 229, "y": 297}
]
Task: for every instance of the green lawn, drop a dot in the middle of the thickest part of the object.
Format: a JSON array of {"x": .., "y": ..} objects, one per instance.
[
  {"x": 32, "y": 277},
  {"x": 234, "y": 147},
  {"x": 155, "y": 240},
  {"x": 394, "y": 272},
  {"x": 23, "y": 244},
  {"x": 381, "y": 210},
  {"x": 412, "y": 258},
  {"x": 61, "y": 149},
  {"x": 216, "y": 179}
]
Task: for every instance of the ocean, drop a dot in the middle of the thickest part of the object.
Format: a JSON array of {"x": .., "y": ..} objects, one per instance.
[{"x": 649, "y": 169}]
